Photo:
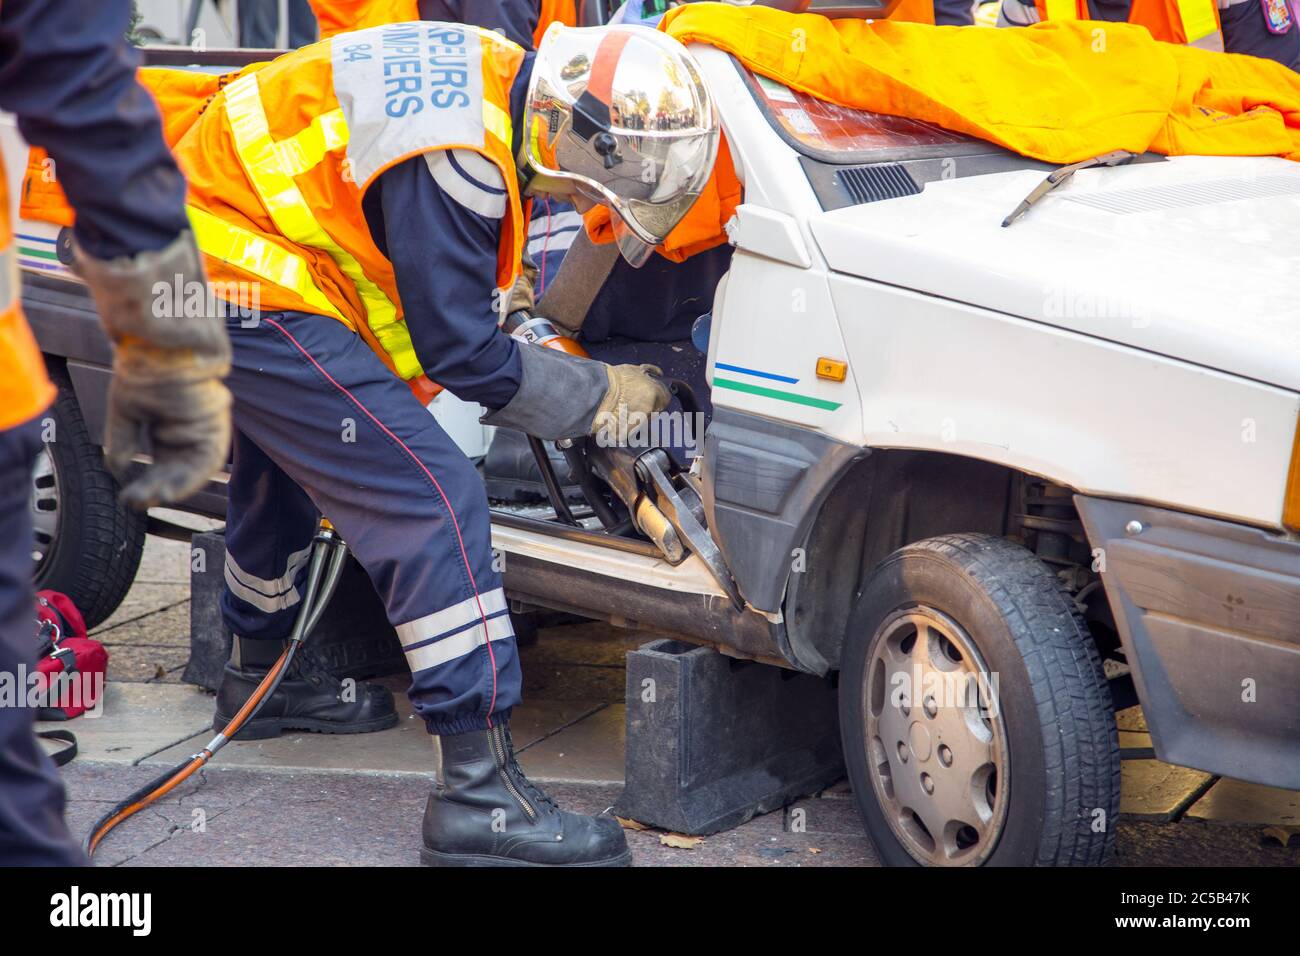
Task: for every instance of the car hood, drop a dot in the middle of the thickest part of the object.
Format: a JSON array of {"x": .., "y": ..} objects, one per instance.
[{"x": 1196, "y": 258}]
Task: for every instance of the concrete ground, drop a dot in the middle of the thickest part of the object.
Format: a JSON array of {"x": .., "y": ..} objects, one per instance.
[{"x": 311, "y": 799}]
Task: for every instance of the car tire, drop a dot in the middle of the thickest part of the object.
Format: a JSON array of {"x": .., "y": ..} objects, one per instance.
[
  {"x": 1030, "y": 775},
  {"x": 88, "y": 544}
]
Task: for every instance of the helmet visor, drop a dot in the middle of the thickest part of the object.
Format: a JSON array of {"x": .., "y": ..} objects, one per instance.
[{"x": 634, "y": 130}]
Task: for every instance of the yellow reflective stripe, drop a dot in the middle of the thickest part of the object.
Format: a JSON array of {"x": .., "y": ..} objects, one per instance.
[
  {"x": 1061, "y": 10},
  {"x": 254, "y": 254},
  {"x": 306, "y": 149},
  {"x": 273, "y": 180},
  {"x": 1198, "y": 18},
  {"x": 497, "y": 122}
]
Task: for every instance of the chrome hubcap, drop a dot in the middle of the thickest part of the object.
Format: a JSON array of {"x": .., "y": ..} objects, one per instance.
[
  {"x": 45, "y": 507},
  {"x": 936, "y": 745}
]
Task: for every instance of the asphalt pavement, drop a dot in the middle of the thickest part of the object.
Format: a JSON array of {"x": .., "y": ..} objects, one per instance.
[{"x": 308, "y": 799}]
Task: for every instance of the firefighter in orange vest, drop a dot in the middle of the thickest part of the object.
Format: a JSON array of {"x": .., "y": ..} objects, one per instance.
[
  {"x": 1263, "y": 28},
  {"x": 68, "y": 75},
  {"x": 361, "y": 204}
]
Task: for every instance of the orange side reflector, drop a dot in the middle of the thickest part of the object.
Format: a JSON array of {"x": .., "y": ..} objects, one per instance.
[
  {"x": 833, "y": 370},
  {"x": 1291, "y": 503}
]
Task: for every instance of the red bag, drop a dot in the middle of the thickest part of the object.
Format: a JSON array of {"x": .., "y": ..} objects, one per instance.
[{"x": 66, "y": 649}]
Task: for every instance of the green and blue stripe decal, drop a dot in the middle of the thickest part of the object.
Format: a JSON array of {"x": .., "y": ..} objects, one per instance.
[
  {"x": 35, "y": 252},
  {"x": 767, "y": 391}
]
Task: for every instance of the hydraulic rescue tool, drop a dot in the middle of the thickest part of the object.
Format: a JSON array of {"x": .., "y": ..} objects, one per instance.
[
  {"x": 662, "y": 500},
  {"x": 323, "y": 572}
]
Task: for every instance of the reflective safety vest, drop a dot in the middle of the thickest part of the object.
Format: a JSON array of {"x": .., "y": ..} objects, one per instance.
[
  {"x": 1190, "y": 22},
  {"x": 282, "y": 157},
  {"x": 338, "y": 16},
  {"x": 25, "y": 389}
]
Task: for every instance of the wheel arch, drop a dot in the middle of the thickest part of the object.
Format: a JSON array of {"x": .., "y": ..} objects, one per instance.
[{"x": 895, "y": 497}]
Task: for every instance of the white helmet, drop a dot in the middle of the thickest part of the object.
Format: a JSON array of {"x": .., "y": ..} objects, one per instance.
[{"x": 623, "y": 113}]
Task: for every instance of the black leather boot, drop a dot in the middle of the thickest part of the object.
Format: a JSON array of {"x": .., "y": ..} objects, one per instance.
[
  {"x": 511, "y": 474},
  {"x": 308, "y": 698},
  {"x": 484, "y": 812}
]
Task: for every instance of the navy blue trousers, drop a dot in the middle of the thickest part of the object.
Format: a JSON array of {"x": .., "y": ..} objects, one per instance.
[
  {"x": 323, "y": 427},
  {"x": 32, "y": 831}
]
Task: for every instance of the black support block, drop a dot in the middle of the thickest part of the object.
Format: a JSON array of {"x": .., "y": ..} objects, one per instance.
[{"x": 713, "y": 741}]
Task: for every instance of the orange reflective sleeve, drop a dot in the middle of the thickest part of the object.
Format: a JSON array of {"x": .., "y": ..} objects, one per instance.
[{"x": 25, "y": 389}]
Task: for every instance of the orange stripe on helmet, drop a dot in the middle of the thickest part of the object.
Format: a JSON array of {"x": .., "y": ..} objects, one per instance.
[{"x": 601, "y": 82}]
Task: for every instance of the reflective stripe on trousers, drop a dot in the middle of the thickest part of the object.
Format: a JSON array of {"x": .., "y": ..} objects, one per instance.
[{"x": 406, "y": 499}]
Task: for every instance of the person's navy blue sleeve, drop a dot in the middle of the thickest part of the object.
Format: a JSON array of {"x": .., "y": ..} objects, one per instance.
[
  {"x": 517, "y": 19},
  {"x": 68, "y": 74},
  {"x": 437, "y": 218}
]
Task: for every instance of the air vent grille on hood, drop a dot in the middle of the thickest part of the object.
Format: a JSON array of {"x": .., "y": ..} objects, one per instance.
[
  {"x": 874, "y": 183},
  {"x": 1178, "y": 195}
]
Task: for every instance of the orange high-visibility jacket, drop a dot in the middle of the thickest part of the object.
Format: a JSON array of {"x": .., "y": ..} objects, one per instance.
[
  {"x": 281, "y": 158},
  {"x": 340, "y": 16},
  {"x": 181, "y": 96},
  {"x": 1193, "y": 22},
  {"x": 25, "y": 389}
]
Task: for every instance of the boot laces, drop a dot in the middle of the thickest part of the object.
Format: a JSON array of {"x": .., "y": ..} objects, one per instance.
[{"x": 517, "y": 772}]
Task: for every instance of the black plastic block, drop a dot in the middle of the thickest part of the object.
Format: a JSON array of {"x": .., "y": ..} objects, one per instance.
[
  {"x": 353, "y": 638},
  {"x": 713, "y": 741}
]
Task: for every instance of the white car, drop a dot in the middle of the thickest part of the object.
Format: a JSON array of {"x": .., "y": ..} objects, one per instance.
[
  {"x": 947, "y": 453},
  {"x": 981, "y": 473}
]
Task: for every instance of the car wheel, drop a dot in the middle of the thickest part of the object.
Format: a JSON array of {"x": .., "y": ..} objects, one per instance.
[
  {"x": 87, "y": 544},
  {"x": 975, "y": 715}
]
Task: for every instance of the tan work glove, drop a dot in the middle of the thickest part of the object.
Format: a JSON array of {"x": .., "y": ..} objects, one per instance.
[
  {"x": 167, "y": 371},
  {"x": 563, "y": 396},
  {"x": 521, "y": 294},
  {"x": 634, "y": 390}
]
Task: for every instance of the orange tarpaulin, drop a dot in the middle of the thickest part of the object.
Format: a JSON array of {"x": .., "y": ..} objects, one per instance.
[{"x": 1060, "y": 92}]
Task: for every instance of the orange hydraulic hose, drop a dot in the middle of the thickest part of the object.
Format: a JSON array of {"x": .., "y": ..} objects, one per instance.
[
  {"x": 174, "y": 778},
  {"x": 314, "y": 600}
]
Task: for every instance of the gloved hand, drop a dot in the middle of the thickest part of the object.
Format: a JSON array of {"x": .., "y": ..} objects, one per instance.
[
  {"x": 167, "y": 371},
  {"x": 521, "y": 294},
  {"x": 634, "y": 391},
  {"x": 563, "y": 396}
]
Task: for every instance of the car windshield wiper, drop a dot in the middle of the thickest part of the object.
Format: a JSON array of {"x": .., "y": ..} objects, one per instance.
[{"x": 1118, "y": 158}]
